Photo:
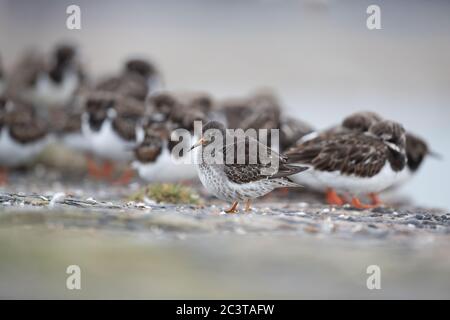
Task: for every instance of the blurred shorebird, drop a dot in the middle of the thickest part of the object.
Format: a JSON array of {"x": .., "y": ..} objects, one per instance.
[
  {"x": 138, "y": 80},
  {"x": 156, "y": 158},
  {"x": 235, "y": 182},
  {"x": 47, "y": 82},
  {"x": 353, "y": 163},
  {"x": 23, "y": 135},
  {"x": 112, "y": 125},
  {"x": 360, "y": 122},
  {"x": 262, "y": 110}
]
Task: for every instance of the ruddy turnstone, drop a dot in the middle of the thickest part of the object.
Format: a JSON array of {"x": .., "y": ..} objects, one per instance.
[
  {"x": 259, "y": 111},
  {"x": 138, "y": 80},
  {"x": 416, "y": 148},
  {"x": 262, "y": 110},
  {"x": 180, "y": 108},
  {"x": 154, "y": 160},
  {"x": 353, "y": 163},
  {"x": 357, "y": 122},
  {"x": 47, "y": 82},
  {"x": 156, "y": 157},
  {"x": 191, "y": 107},
  {"x": 161, "y": 106},
  {"x": 162, "y": 156},
  {"x": 112, "y": 124},
  {"x": 67, "y": 125},
  {"x": 233, "y": 180},
  {"x": 23, "y": 135}
]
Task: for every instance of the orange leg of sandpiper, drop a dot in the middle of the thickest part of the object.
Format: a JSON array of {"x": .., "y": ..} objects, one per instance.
[
  {"x": 356, "y": 203},
  {"x": 233, "y": 208},
  {"x": 187, "y": 183},
  {"x": 284, "y": 192},
  {"x": 248, "y": 205},
  {"x": 3, "y": 176},
  {"x": 125, "y": 178},
  {"x": 376, "y": 201},
  {"x": 332, "y": 198}
]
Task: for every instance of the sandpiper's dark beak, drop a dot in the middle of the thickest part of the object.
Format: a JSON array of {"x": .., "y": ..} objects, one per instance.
[
  {"x": 435, "y": 155},
  {"x": 197, "y": 144}
]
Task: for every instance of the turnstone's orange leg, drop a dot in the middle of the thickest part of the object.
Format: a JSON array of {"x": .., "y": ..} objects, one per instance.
[
  {"x": 93, "y": 169},
  {"x": 233, "y": 208},
  {"x": 126, "y": 177},
  {"x": 332, "y": 198},
  {"x": 3, "y": 176},
  {"x": 357, "y": 204},
  {"x": 248, "y": 206},
  {"x": 284, "y": 191},
  {"x": 376, "y": 201},
  {"x": 107, "y": 169}
]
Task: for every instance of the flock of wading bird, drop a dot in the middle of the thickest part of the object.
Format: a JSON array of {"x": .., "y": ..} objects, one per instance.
[{"x": 128, "y": 118}]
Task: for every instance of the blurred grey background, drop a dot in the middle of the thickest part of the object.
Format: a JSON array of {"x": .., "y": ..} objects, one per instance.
[{"x": 318, "y": 55}]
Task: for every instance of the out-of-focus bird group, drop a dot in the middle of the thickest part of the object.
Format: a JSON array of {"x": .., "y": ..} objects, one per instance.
[{"x": 129, "y": 118}]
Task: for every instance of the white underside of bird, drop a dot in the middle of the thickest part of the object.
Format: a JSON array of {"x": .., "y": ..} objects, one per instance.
[
  {"x": 107, "y": 144},
  {"x": 166, "y": 169},
  {"x": 403, "y": 177},
  {"x": 47, "y": 93},
  {"x": 349, "y": 184},
  {"x": 13, "y": 153}
]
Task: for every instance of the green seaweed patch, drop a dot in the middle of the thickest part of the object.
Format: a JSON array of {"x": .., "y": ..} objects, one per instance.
[{"x": 167, "y": 193}]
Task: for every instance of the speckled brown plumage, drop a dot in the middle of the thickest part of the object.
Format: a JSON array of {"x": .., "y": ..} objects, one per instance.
[
  {"x": 354, "y": 153},
  {"x": 129, "y": 114},
  {"x": 128, "y": 85},
  {"x": 361, "y": 121},
  {"x": 72, "y": 123},
  {"x": 149, "y": 150},
  {"x": 132, "y": 82},
  {"x": 260, "y": 111},
  {"x": 25, "y": 73},
  {"x": 190, "y": 107},
  {"x": 24, "y": 125}
]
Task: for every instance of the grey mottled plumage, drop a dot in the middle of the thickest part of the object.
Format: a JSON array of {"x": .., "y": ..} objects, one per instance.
[{"x": 240, "y": 182}]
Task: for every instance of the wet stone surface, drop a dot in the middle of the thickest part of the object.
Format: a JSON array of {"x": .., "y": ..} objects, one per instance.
[
  {"x": 272, "y": 215},
  {"x": 290, "y": 246}
]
